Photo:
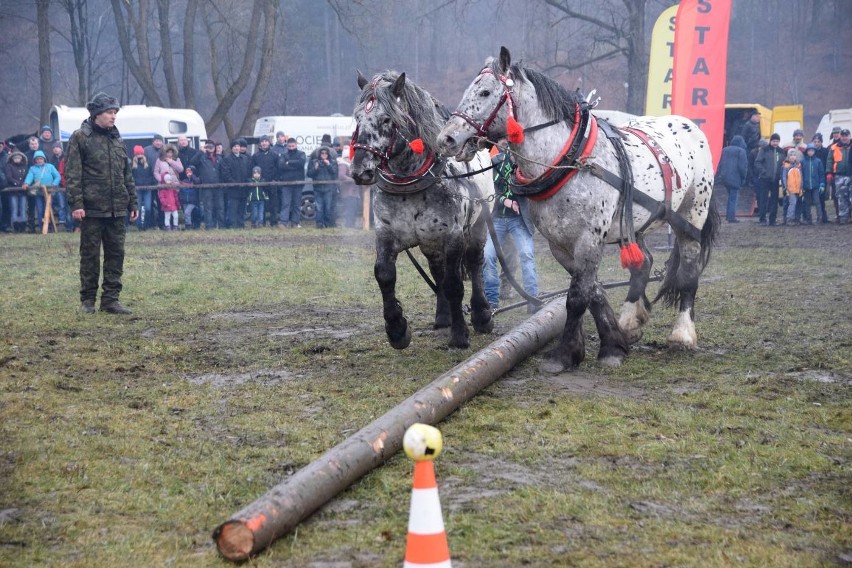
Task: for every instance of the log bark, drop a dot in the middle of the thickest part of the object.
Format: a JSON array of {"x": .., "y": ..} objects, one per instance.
[{"x": 287, "y": 504}]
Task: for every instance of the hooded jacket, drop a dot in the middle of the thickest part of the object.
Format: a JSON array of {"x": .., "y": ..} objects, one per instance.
[
  {"x": 44, "y": 174},
  {"x": 16, "y": 173},
  {"x": 813, "y": 172},
  {"x": 166, "y": 166},
  {"x": 733, "y": 165},
  {"x": 98, "y": 176}
]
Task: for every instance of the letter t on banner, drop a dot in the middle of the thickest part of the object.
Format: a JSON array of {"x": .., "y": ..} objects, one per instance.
[{"x": 701, "y": 66}]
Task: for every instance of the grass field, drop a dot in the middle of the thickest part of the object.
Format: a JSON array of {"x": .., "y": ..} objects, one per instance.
[{"x": 126, "y": 440}]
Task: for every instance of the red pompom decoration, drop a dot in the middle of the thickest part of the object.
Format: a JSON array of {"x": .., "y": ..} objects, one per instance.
[
  {"x": 416, "y": 145},
  {"x": 632, "y": 256},
  {"x": 351, "y": 150},
  {"x": 514, "y": 131}
]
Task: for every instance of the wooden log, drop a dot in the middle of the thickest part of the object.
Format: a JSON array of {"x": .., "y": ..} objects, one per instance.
[{"x": 287, "y": 504}]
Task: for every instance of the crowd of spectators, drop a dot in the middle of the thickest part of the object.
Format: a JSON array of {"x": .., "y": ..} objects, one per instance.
[
  {"x": 180, "y": 187},
  {"x": 800, "y": 177}
]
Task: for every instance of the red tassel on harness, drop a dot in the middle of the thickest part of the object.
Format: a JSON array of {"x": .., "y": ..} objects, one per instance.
[
  {"x": 514, "y": 131},
  {"x": 351, "y": 150},
  {"x": 632, "y": 256},
  {"x": 416, "y": 145}
]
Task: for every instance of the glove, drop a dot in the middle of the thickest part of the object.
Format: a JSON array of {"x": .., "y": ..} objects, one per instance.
[
  {"x": 829, "y": 178},
  {"x": 822, "y": 190}
]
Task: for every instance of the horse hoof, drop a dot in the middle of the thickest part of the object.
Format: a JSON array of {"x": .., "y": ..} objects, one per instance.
[
  {"x": 678, "y": 345},
  {"x": 551, "y": 366},
  {"x": 459, "y": 340},
  {"x": 632, "y": 336},
  {"x": 400, "y": 341},
  {"x": 611, "y": 361},
  {"x": 486, "y": 326}
]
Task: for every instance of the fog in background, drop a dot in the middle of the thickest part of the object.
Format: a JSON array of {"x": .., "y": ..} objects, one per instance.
[{"x": 236, "y": 60}]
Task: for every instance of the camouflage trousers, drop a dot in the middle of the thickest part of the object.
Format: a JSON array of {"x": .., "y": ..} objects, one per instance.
[
  {"x": 96, "y": 233},
  {"x": 843, "y": 193}
]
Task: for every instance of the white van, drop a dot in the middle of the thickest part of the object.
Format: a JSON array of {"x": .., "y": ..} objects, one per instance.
[
  {"x": 307, "y": 130},
  {"x": 137, "y": 123},
  {"x": 841, "y": 117}
]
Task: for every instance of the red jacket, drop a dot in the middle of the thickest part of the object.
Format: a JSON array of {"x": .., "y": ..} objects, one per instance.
[{"x": 169, "y": 200}]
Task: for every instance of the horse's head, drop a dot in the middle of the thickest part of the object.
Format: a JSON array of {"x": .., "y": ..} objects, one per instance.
[
  {"x": 395, "y": 120},
  {"x": 483, "y": 112}
]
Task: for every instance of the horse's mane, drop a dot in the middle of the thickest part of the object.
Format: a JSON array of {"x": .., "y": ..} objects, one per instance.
[
  {"x": 555, "y": 101},
  {"x": 417, "y": 113}
]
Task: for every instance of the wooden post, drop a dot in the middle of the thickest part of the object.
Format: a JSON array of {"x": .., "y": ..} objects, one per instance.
[
  {"x": 284, "y": 506},
  {"x": 48, "y": 212}
]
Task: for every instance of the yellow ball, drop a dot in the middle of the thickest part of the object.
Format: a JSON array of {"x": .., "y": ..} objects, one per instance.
[{"x": 422, "y": 442}]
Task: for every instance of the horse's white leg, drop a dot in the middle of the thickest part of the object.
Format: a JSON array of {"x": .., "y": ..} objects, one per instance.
[
  {"x": 636, "y": 310},
  {"x": 686, "y": 275},
  {"x": 683, "y": 335}
]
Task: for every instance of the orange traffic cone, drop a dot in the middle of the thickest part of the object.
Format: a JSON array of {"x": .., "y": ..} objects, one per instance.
[{"x": 426, "y": 544}]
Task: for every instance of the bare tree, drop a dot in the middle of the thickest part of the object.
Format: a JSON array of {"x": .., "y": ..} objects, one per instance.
[
  {"x": 141, "y": 68},
  {"x": 44, "y": 72},
  {"x": 621, "y": 35}
]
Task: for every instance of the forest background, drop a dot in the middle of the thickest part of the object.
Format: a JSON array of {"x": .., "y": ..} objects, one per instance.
[{"x": 234, "y": 61}]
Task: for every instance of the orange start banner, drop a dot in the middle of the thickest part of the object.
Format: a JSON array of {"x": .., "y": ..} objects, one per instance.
[{"x": 700, "y": 66}]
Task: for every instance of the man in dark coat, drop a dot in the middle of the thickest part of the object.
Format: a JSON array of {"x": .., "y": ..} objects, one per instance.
[
  {"x": 733, "y": 169},
  {"x": 291, "y": 167},
  {"x": 267, "y": 160},
  {"x": 212, "y": 199},
  {"x": 235, "y": 168},
  {"x": 768, "y": 166},
  {"x": 187, "y": 154},
  {"x": 101, "y": 193}
]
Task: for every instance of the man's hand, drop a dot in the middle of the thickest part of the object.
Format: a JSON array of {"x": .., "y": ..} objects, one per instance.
[
  {"x": 78, "y": 214},
  {"x": 133, "y": 215}
]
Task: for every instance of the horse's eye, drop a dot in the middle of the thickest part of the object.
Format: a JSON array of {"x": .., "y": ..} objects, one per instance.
[{"x": 485, "y": 93}]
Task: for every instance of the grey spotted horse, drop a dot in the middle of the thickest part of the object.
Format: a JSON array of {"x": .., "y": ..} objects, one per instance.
[
  {"x": 420, "y": 202},
  {"x": 590, "y": 185}
]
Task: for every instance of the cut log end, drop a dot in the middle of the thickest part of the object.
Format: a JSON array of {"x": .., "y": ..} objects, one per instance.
[{"x": 234, "y": 540}]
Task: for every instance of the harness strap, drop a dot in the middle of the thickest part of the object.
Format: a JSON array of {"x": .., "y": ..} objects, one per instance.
[
  {"x": 581, "y": 141},
  {"x": 669, "y": 173},
  {"x": 658, "y": 209}
]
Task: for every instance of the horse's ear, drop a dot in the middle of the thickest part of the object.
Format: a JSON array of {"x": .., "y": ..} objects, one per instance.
[
  {"x": 505, "y": 59},
  {"x": 361, "y": 80},
  {"x": 398, "y": 86}
]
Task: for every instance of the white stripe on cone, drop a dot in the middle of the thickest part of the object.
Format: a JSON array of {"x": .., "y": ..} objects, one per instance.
[
  {"x": 425, "y": 516},
  {"x": 444, "y": 564}
]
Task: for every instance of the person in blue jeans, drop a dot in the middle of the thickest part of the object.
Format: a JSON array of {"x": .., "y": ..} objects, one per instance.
[
  {"x": 511, "y": 217},
  {"x": 324, "y": 168}
]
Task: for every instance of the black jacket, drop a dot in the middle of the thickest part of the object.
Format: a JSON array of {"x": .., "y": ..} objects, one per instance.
[
  {"x": 267, "y": 162},
  {"x": 769, "y": 163},
  {"x": 291, "y": 165},
  {"x": 234, "y": 169},
  {"x": 208, "y": 169}
]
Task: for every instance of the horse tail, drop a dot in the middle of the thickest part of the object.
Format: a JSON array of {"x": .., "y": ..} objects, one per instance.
[{"x": 670, "y": 289}]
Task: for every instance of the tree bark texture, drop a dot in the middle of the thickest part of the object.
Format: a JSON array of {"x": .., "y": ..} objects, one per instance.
[
  {"x": 44, "y": 69},
  {"x": 284, "y": 506}
]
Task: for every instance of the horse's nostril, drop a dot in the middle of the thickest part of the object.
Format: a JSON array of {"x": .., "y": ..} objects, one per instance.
[{"x": 449, "y": 140}]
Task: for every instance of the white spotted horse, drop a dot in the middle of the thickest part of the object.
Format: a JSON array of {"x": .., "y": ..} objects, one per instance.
[
  {"x": 591, "y": 184},
  {"x": 423, "y": 201}
]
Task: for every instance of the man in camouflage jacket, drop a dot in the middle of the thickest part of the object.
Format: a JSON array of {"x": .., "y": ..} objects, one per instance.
[{"x": 101, "y": 192}]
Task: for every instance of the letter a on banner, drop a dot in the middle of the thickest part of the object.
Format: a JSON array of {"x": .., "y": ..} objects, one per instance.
[
  {"x": 701, "y": 66},
  {"x": 659, "y": 94}
]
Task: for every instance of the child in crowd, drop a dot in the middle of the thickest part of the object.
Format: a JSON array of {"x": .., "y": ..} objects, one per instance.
[
  {"x": 189, "y": 199},
  {"x": 41, "y": 174},
  {"x": 257, "y": 198},
  {"x": 791, "y": 180},
  {"x": 170, "y": 203}
]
